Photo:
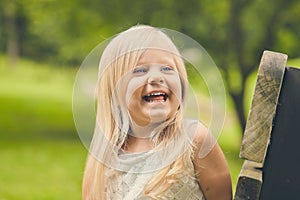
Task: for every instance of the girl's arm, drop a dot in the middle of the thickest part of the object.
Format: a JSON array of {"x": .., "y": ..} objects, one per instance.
[{"x": 211, "y": 167}]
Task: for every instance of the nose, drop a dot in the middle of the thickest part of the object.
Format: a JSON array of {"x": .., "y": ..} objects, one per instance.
[{"x": 155, "y": 78}]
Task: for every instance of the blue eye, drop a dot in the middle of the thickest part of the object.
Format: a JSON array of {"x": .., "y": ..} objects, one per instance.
[
  {"x": 139, "y": 70},
  {"x": 167, "y": 68}
]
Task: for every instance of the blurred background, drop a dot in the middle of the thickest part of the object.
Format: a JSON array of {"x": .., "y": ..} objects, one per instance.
[{"x": 42, "y": 44}]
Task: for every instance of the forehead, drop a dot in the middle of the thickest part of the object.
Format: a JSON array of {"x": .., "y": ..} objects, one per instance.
[{"x": 157, "y": 56}]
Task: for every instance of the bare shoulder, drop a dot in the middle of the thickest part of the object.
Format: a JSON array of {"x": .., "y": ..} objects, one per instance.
[
  {"x": 210, "y": 164},
  {"x": 198, "y": 133}
]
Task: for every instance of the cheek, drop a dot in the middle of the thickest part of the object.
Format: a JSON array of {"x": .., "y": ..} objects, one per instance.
[
  {"x": 133, "y": 91},
  {"x": 176, "y": 88}
]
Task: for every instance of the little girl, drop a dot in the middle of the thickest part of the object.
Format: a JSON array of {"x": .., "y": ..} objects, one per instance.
[{"x": 142, "y": 146}]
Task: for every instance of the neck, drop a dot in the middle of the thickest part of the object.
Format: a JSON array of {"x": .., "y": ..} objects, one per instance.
[
  {"x": 135, "y": 145},
  {"x": 143, "y": 132},
  {"x": 140, "y": 137}
]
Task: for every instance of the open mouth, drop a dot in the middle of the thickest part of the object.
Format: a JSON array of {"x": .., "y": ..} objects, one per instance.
[{"x": 155, "y": 97}]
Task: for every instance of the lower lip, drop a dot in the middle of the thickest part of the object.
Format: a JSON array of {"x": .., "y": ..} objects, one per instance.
[{"x": 156, "y": 102}]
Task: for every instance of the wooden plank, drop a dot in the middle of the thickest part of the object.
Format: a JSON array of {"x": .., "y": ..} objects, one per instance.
[
  {"x": 247, "y": 189},
  {"x": 252, "y": 170},
  {"x": 259, "y": 124},
  {"x": 249, "y": 182}
]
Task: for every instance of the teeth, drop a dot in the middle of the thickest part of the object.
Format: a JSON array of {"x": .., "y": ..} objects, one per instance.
[
  {"x": 154, "y": 100},
  {"x": 156, "y": 94},
  {"x": 149, "y": 97}
]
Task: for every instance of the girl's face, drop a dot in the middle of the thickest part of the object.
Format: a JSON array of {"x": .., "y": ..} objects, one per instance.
[{"x": 154, "y": 90}]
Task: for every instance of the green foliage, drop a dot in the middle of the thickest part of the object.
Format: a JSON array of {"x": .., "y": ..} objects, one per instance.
[
  {"x": 234, "y": 32},
  {"x": 66, "y": 31}
]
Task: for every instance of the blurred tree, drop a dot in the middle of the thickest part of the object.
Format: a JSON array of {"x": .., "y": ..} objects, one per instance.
[
  {"x": 57, "y": 30},
  {"x": 12, "y": 20},
  {"x": 234, "y": 32}
]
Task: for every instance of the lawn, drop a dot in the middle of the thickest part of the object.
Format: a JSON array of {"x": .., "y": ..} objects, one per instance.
[
  {"x": 41, "y": 154},
  {"x": 41, "y": 169}
]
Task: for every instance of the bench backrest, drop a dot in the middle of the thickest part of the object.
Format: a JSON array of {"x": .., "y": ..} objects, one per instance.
[{"x": 271, "y": 140}]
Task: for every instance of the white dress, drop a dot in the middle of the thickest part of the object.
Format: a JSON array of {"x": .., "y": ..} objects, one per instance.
[{"x": 137, "y": 169}]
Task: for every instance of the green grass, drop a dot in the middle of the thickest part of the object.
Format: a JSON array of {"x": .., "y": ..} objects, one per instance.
[
  {"x": 35, "y": 101},
  {"x": 41, "y": 169},
  {"x": 41, "y": 154}
]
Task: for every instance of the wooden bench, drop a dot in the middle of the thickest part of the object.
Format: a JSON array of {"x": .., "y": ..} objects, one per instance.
[{"x": 271, "y": 142}]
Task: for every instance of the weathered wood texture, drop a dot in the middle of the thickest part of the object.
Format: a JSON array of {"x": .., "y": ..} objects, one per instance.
[
  {"x": 263, "y": 107},
  {"x": 281, "y": 175},
  {"x": 259, "y": 125},
  {"x": 272, "y": 134}
]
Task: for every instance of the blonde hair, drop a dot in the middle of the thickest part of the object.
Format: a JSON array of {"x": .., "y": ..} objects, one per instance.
[{"x": 112, "y": 121}]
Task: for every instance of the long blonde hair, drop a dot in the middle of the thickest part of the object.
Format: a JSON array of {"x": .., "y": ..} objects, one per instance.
[{"x": 112, "y": 121}]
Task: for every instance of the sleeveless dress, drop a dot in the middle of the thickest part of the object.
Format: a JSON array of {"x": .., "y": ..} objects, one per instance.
[{"x": 137, "y": 169}]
